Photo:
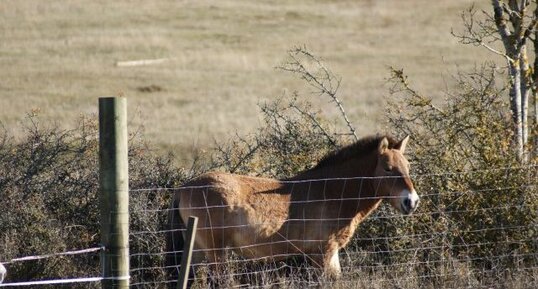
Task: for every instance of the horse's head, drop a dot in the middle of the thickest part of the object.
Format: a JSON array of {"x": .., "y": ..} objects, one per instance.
[{"x": 393, "y": 181}]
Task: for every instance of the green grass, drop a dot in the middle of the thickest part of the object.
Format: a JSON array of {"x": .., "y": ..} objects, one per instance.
[{"x": 59, "y": 56}]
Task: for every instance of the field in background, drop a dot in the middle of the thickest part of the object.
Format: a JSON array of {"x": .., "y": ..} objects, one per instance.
[{"x": 59, "y": 56}]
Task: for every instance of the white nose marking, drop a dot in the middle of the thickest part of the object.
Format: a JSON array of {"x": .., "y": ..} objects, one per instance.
[
  {"x": 414, "y": 198},
  {"x": 409, "y": 200}
]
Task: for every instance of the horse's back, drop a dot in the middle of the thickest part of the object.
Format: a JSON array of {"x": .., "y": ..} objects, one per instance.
[
  {"x": 234, "y": 210},
  {"x": 218, "y": 189}
]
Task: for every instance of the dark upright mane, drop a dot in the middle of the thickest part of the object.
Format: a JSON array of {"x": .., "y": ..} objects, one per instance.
[{"x": 361, "y": 147}]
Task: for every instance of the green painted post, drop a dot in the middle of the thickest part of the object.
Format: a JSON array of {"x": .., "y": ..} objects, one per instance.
[{"x": 114, "y": 191}]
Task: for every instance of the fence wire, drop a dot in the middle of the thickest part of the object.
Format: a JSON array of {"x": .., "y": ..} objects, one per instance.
[
  {"x": 465, "y": 236},
  {"x": 466, "y": 233},
  {"x": 83, "y": 254}
]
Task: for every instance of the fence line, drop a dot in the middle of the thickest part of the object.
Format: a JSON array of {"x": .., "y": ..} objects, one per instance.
[
  {"x": 177, "y": 189},
  {"x": 38, "y": 257},
  {"x": 477, "y": 244},
  {"x": 535, "y": 226},
  {"x": 333, "y": 219},
  {"x": 445, "y": 211},
  {"x": 55, "y": 281},
  {"x": 414, "y": 176},
  {"x": 148, "y": 261},
  {"x": 63, "y": 281},
  {"x": 431, "y": 248}
]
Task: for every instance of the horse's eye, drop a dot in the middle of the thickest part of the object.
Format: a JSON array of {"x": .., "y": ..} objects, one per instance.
[{"x": 388, "y": 170}]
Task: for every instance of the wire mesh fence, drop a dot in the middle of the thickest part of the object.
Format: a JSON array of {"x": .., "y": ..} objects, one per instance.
[
  {"x": 473, "y": 229},
  {"x": 466, "y": 233}
]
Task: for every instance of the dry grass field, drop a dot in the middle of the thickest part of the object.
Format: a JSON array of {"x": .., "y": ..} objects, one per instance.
[{"x": 58, "y": 56}]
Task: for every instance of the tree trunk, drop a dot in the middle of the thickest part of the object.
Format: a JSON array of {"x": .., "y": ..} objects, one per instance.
[
  {"x": 522, "y": 78},
  {"x": 526, "y": 85},
  {"x": 516, "y": 106},
  {"x": 534, "y": 125}
]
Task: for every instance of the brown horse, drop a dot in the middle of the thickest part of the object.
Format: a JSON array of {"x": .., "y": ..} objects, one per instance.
[{"x": 313, "y": 214}]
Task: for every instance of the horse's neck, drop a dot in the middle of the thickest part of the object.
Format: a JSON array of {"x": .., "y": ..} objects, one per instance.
[
  {"x": 355, "y": 197},
  {"x": 362, "y": 167},
  {"x": 365, "y": 209}
]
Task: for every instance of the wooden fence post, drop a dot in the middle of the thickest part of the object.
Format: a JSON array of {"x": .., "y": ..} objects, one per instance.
[
  {"x": 187, "y": 253},
  {"x": 114, "y": 191}
]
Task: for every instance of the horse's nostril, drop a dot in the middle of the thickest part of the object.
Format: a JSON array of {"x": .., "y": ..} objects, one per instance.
[{"x": 407, "y": 203}]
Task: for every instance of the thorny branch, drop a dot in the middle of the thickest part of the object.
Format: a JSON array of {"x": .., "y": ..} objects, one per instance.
[
  {"x": 314, "y": 121},
  {"x": 402, "y": 85},
  {"x": 318, "y": 77}
]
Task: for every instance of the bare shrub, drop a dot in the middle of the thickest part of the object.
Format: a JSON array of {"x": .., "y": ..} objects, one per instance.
[
  {"x": 294, "y": 134},
  {"x": 474, "y": 225},
  {"x": 292, "y": 139},
  {"x": 484, "y": 212},
  {"x": 49, "y": 190}
]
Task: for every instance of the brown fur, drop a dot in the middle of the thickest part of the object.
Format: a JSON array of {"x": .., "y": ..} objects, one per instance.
[{"x": 271, "y": 219}]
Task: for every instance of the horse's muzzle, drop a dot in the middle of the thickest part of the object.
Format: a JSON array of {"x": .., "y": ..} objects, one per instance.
[{"x": 409, "y": 202}]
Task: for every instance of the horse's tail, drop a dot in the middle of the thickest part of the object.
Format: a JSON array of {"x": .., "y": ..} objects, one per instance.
[{"x": 174, "y": 242}]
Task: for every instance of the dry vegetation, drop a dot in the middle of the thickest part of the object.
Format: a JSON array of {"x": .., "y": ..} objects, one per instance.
[{"x": 59, "y": 56}]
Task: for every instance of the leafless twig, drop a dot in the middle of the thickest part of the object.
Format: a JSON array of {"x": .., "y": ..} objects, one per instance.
[{"x": 318, "y": 76}]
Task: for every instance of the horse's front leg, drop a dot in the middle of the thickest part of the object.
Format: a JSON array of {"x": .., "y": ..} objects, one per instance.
[{"x": 331, "y": 265}]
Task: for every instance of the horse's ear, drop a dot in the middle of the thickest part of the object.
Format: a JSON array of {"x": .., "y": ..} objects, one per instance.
[
  {"x": 402, "y": 144},
  {"x": 383, "y": 145}
]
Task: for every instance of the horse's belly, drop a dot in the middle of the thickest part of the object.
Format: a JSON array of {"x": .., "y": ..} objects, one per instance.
[
  {"x": 256, "y": 248},
  {"x": 259, "y": 240}
]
